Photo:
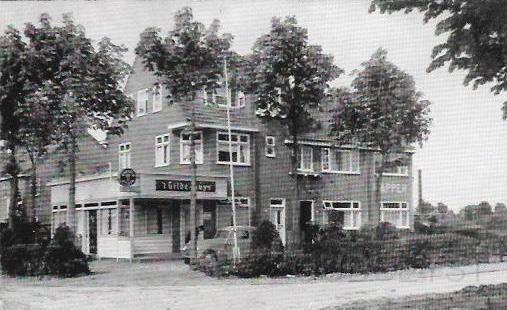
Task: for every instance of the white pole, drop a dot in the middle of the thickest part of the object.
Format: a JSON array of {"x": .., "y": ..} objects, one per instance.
[{"x": 235, "y": 251}]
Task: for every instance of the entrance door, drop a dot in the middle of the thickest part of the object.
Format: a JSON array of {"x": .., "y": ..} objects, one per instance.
[
  {"x": 175, "y": 224},
  {"x": 305, "y": 216},
  {"x": 209, "y": 219},
  {"x": 92, "y": 231},
  {"x": 277, "y": 216}
]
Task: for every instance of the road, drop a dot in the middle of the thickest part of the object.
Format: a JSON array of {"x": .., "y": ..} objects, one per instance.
[{"x": 206, "y": 293}]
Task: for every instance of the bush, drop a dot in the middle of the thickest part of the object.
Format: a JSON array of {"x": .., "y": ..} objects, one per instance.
[
  {"x": 266, "y": 238},
  {"x": 22, "y": 260},
  {"x": 62, "y": 257}
]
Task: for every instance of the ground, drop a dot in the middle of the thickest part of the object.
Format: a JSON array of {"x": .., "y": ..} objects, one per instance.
[{"x": 171, "y": 285}]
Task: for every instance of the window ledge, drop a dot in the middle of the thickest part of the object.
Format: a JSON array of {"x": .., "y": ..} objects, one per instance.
[
  {"x": 163, "y": 165},
  {"x": 234, "y": 164},
  {"x": 341, "y": 172},
  {"x": 394, "y": 175},
  {"x": 306, "y": 173},
  {"x": 188, "y": 163}
]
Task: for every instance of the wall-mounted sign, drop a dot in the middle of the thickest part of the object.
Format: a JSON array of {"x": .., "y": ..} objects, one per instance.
[
  {"x": 127, "y": 177},
  {"x": 184, "y": 186}
]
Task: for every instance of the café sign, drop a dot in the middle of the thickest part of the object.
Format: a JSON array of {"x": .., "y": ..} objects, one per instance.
[{"x": 184, "y": 186}]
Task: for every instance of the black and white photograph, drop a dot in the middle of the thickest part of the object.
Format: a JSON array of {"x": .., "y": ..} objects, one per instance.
[{"x": 167, "y": 155}]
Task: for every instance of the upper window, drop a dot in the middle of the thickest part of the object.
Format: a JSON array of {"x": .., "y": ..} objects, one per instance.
[
  {"x": 341, "y": 161},
  {"x": 396, "y": 170},
  {"x": 162, "y": 150},
  {"x": 157, "y": 97},
  {"x": 218, "y": 97},
  {"x": 240, "y": 148},
  {"x": 305, "y": 158},
  {"x": 142, "y": 102},
  {"x": 345, "y": 213},
  {"x": 185, "y": 147},
  {"x": 124, "y": 156},
  {"x": 396, "y": 213},
  {"x": 270, "y": 146}
]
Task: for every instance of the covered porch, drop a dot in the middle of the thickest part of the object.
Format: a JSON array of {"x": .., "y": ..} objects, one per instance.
[{"x": 148, "y": 220}]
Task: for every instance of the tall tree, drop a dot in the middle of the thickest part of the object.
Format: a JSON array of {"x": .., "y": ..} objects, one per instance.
[
  {"x": 12, "y": 94},
  {"x": 476, "y": 37},
  {"x": 383, "y": 110},
  {"x": 189, "y": 59},
  {"x": 81, "y": 85},
  {"x": 290, "y": 79}
]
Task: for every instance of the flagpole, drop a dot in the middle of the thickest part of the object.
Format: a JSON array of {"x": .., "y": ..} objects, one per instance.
[{"x": 235, "y": 250}]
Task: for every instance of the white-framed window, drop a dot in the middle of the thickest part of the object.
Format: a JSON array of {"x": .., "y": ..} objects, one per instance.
[
  {"x": 396, "y": 170},
  {"x": 185, "y": 147},
  {"x": 395, "y": 212},
  {"x": 339, "y": 161},
  {"x": 218, "y": 97},
  {"x": 124, "y": 155},
  {"x": 157, "y": 92},
  {"x": 240, "y": 148},
  {"x": 270, "y": 146},
  {"x": 142, "y": 102},
  {"x": 241, "y": 202},
  {"x": 346, "y": 213},
  {"x": 162, "y": 150},
  {"x": 305, "y": 158}
]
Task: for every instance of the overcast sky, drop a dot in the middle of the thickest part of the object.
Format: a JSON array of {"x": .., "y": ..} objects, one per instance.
[{"x": 465, "y": 159}]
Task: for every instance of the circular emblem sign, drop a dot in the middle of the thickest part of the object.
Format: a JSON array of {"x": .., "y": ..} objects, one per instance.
[{"x": 127, "y": 177}]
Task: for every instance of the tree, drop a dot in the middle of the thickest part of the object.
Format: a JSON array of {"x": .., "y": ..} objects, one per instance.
[
  {"x": 425, "y": 208},
  {"x": 500, "y": 208},
  {"x": 12, "y": 94},
  {"x": 442, "y": 208},
  {"x": 484, "y": 209},
  {"x": 476, "y": 41},
  {"x": 290, "y": 78},
  {"x": 383, "y": 110},
  {"x": 189, "y": 59},
  {"x": 80, "y": 85},
  {"x": 469, "y": 213}
]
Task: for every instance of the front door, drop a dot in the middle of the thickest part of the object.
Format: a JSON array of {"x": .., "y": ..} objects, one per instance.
[
  {"x": 175, "y": 223},
  {"x": 92, "y": 231},
  {"x": 209, "y": 219},
  {"x": 277, "y": 217},
  {"x": 305, "y": 217}
]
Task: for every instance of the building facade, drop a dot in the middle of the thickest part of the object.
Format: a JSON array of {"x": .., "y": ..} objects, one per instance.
[{"x": 152, "y": 217}]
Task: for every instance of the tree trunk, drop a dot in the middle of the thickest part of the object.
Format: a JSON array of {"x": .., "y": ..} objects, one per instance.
[
  {"x": 294, "y": 160},
  {"x": 71, "y": 208},
  {"x": 13, "y": 171},
  {"x": 375, "y": 218},
  {"x": 193, "y": 187},
  {"x": 33, "y": 184}
]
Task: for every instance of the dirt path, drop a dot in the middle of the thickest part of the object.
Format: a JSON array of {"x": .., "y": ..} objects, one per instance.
[{"x": 173, "y": 286}]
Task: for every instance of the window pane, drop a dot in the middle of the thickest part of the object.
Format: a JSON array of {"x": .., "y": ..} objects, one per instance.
[{"x": 325, "y": 159}]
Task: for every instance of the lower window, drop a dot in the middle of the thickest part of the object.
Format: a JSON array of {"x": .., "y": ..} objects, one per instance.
[
  {"x": 396, "y": 213},
  {"x": 345, "y": 213}
]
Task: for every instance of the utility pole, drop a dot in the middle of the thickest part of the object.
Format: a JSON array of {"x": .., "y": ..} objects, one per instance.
[{"x": 235, "y": 250}]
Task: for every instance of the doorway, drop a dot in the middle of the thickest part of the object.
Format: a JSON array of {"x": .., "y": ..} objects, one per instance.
[
  {"x": 209, "y": 219},
  {"x": 277, "y": 216},
  {"x": 305, "y": 218},
  {"x": 175, "y": 224},
  {"x": 92, "y": 231}
]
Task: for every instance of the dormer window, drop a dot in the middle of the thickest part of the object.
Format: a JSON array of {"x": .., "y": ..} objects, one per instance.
[
  {"x": 218, "y": 97},
  {"x": 157, "y": 97},
  {"x": 142, "y": 102}
]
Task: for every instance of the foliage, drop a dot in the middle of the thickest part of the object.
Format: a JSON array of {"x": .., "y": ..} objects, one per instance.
[
  {"x": 62, "y": 257},
  {"x": 382, "y": 110},
  {"x": 289, "y": 78},
  {"x": 476, "y": 37},
  {"x": 26, "y": 251},
  {"x": 266, "y": 238},
  {"x": 189, "y": 59},
  {"x": 425, "y": 208},
  {"x": 500, "y": 207}
]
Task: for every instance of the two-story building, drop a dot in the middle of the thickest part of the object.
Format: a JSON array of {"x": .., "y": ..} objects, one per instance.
[{"x": 152, "y": 217}]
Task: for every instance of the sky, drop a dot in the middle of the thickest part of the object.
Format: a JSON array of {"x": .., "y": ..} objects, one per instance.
[{"x": 464, "y": 160}]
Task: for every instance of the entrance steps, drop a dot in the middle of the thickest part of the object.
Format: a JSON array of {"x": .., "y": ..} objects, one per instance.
[{"x": 153, "y": 257}]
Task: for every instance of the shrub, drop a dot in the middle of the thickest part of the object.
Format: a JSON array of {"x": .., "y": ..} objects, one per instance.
[
  {"x": 22, "y": 260},
  {"x": 62, "y": 257},
  {"x": 266, "y": 238},
  {"x": 255, "y": 265}
]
